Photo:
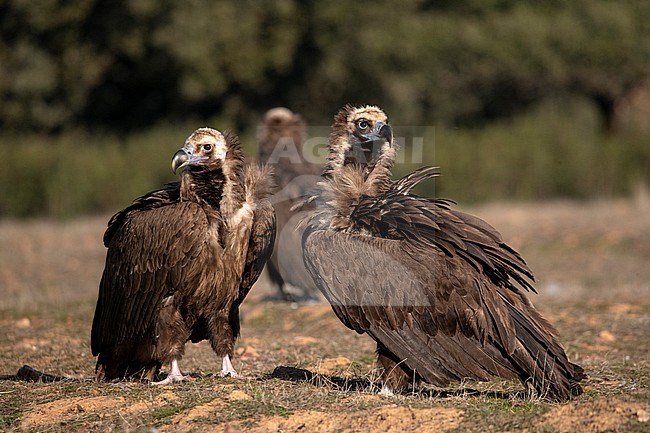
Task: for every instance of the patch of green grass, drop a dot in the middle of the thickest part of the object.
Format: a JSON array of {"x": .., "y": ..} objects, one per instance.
[
  {"x": 485, "y": 414},
  {"x": 512, "y": 406},
  {"x": 247, "y": 409},
  {"x": 8, "y": 420},
  {"x": 168, "y": 411},
  {"x": 557, "y": 149}
]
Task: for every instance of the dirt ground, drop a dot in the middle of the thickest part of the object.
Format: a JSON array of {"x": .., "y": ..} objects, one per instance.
[{"x": 303, "y": 370}]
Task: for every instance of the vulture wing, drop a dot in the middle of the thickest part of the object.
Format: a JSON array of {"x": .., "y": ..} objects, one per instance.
[
  {"x": 260, "y": 245},
  {"x": 259, "y": 184},
  {"x": 152, "y": 254},
  {"x": 433, "y": 287},
  {"x": 437, "y": 328},
  {"x": 432, "y": 223},
  {"x": 160, "y": 197}
]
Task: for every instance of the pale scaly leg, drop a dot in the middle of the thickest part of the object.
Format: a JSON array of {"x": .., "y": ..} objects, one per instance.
[
  {"x": 227, "y": 368},
  {"x": 174, "y": 376}
]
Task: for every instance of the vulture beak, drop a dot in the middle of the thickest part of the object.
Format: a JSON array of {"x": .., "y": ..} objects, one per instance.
[
  {"x": 185, "y": 157},
  {"x": 179, "y": 160},
  {"x": 383, "y": 131}
]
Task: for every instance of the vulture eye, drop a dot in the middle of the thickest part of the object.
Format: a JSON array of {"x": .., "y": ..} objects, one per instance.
[
  {"x": 363, "y": 125},
  {"x": 207, "y": 147}
]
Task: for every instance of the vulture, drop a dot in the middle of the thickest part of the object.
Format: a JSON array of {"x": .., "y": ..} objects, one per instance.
[
  {"x": 280, "y": 139},
  {"x": 181, "y": 260},
  {"x": 439, "y": 290}
]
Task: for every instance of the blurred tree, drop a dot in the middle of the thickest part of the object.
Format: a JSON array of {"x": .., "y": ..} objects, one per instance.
[
  {"x": 234, "y": 57},
  {"x": 139, "y": 80},
  {"x": 81, "y": 62},
  {"x": 467, "y": 62},
  {"x": 45, "y": 72},
  {"x": 125, "y": 64}
]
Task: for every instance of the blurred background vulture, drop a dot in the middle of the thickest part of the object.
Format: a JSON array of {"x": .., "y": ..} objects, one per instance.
[
  {"x": 437, "y": 289},
  {"x": 280, "y": 138},
  {"x": 181, "y": 260}
]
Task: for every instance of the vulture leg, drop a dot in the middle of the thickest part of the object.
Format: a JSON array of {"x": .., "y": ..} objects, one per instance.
[
  {"x": 227, "y": 368},
  {"x": 393, "y": 375},
  {"x": 174, "y": 375},
  {"x": 276, "y": 277},
  {"x": 225, "y": 330}
]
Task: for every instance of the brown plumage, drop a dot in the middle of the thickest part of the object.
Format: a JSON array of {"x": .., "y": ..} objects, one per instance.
[
  {"x": 437, "y": 289},
  {"x": 181, "y": 260},
  {"x": 280, "y": 139}
]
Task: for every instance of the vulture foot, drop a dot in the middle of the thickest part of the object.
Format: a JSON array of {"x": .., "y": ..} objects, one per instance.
[
  {"x": 174, "y": 376},
  {"x": 227, "y": 369}
]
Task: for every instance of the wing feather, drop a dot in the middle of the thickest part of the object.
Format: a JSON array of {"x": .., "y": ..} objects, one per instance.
[
  {"x": 147, "y": 260},
  {"x": 377, "y": 286},
  {"x": 431, "y": 223},
  {"x": 259, "y": 184},
  {"x": 260, "y": 245}
]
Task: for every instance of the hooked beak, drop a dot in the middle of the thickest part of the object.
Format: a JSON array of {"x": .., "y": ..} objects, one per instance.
[
  {"x": 179, "y": 160},
  {"x": 381, "y": 130},
  {"x": 184, "y": 157}
]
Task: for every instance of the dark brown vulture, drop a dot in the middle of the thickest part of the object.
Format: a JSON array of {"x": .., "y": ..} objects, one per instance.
[
  {"x": 437, "y": 289},
  {"x": 181, "y": 260},
  {"x": 280, "y": 140}
]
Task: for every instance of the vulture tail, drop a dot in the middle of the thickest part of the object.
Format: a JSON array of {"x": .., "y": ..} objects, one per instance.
[{"x": 542, "y": 361}]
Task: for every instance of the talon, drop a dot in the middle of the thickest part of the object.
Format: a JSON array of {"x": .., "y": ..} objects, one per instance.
[
  {"x": 174, "y": 375},
  {"x": 386, "y": 392},
  {"x": 170, "y": 379},
  {"x": 231, "y": 373},
  {"x": 227, "y": 369}
]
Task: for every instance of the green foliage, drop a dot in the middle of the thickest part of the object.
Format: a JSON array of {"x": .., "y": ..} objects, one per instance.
[
  {"x": 78, "y": 173},
  {"x": 84, "y": 83},
  {"x": 553, "y": 150},
  {"x": 129, "y": 64}
]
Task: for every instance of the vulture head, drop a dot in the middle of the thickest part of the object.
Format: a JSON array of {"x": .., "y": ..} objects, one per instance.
[
  {"x": 206, "y": 148},
  {"x": 207, "y": 160},
  {"x": 280, "y": 127},
  {"x": 360, "y": 136},
  {"x": 278, "y": 117}
]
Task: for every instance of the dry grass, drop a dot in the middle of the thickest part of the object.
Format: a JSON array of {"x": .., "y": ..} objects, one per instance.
[{"x": 307, "y": 372}]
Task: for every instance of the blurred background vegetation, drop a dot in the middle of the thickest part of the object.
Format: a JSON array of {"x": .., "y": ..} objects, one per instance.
[{"x": 524, "y": 99}]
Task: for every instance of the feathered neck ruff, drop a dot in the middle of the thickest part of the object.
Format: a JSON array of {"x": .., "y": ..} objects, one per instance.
[
  {"x": 343, "y": 186},
  {"x": 355, "y": 179}
]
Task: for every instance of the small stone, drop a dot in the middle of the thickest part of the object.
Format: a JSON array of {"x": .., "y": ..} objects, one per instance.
[
  {"x": 643, "y": 415},
  {"x": 247, "y": 352},
  {"x": 303, "y": 340},
  {"x": 239, "y": 395},
  {"x": 606, "y": 336},
  {"x": 23, "y": 323}
]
